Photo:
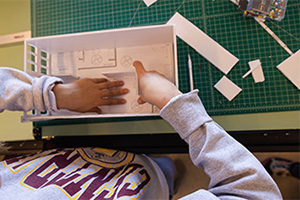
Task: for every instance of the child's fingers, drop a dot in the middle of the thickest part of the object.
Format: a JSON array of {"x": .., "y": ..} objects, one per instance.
[
  {"x": 114, "y": 92},
  {"x": 99, "y": 80},
  {"x": 110, "y": 84},
  {"x": 112, "y": 102}
]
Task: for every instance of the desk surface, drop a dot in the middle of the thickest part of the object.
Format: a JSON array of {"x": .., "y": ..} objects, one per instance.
[{"x": 220, "y": 20}]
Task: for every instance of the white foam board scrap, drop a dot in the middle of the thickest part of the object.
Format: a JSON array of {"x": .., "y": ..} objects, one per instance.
[
  {"x": 227, "y": 88},
  {"x": 256, "y": 71},
  {"x": 149, "y": 2},
  {"x": 203, "y": 44},
  {"x": 290, "y": 67},
  {"x": 236, "y": 2}
]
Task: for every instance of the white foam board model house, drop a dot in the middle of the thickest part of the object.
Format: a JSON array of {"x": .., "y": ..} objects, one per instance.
[{"x": 108, "y": 53}]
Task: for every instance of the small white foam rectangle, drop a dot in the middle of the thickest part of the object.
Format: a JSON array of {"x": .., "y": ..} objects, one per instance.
[
  {"x": 149, "y": 2},
  {"x": 290, "y": 67},
  {"x": 227, "y": 88},
  {"x": 203, "y": 44},
  {"x": 257, "y": 72}
]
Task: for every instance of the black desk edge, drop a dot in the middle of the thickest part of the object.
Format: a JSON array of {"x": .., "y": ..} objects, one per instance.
[{"x": 255, "y": 141}]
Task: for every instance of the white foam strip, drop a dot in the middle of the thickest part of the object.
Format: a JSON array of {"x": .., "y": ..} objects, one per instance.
[
  {"x": 282, "y": 44},
  {"x": 203, "y": 44},
  {"x": 227, "y": 88},
  {"x": 252, "y": 68},
  {"x": 149, "y": 2},
  {"x": 290, "y": 67}
]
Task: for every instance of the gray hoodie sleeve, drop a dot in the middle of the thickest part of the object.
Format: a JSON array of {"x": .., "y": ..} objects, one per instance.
[
  {"x": 234, "y": 172},
  {"x": 19, "y": 91}
]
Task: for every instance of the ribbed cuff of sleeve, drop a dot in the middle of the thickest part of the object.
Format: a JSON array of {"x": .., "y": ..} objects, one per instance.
[
  {"x": 185, "y": 113},
  {"x": 43, "y": 96}
]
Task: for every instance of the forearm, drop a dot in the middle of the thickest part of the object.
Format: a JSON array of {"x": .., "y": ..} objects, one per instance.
[
  {"x": 233, "y": 170},
  {"x": 19, "y": 91}
]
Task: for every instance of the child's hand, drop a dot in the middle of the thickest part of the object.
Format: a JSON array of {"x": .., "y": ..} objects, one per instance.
[
  {"x": 155, "y": 88},
  {"x": 85, "y": 95}
]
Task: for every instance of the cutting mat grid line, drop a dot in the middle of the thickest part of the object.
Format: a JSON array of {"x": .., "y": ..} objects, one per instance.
[{"x": 220, "y": 19}]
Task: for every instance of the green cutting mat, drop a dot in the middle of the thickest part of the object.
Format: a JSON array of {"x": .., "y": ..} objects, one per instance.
[{"x": 220, "y": 19}]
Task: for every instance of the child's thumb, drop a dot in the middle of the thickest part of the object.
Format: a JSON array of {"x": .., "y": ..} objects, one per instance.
[{"x": 140, "y": 70}]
